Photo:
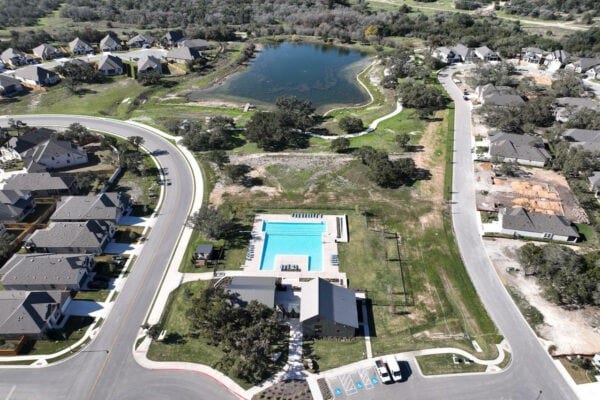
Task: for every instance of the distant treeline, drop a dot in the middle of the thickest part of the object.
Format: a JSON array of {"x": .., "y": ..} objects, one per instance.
[{"x": 25, "y": 12}]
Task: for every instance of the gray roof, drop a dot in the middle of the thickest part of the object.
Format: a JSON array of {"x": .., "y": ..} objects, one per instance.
[
  {"x": 484, "y": 51},
  {"x": 325, "y": 300},
  {"x": 35, "y": 73},
  {"x": 500, "y": 95},
  {"x": 594, "y": 180},
  {"x": 261, "y": 289},
  {"x": 204, "y": 249},
  {"x": 88, "y": 234},
  {"x": 43, "y": 269},
  {"x": 194, "y": 44},
  {"x": 36, "y": 181},
  {"x": 586, "y": 63},
  {"x": 522, "y": 220},
  {"x": 10, "y": 53},
  {"x": 6, "y": 81},
  {"x": 45, "y": 50},
  {"x": 27, "y": 313},
  {"x": 140, "y": 38},
  {"x": 148, "y": 62},
  {"x": 30, "y": 139},
  {"x": 183, "y": 53},
  {"x": 173, "y": 36},
  {"x": 520, "y": 147},
  {"x": 110, "y": 41},
  {"x": 79, "y": 44},
  {"x": 533, "y": 50},
  {"x": 462, "y": 50},
  {"x": 104, "y": 206},
  {"x": 13, "y": 202},
  {"x": 108, "y": 61},
  {"x": 586, "y": 138},
  {"x": 578, "y": 102},
  {"x": 52, "y": 148},
  {"x": 559, "y": 55}
]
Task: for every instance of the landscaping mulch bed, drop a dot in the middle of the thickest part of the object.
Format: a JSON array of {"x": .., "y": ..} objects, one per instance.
[{"x": 286, "y": 390}]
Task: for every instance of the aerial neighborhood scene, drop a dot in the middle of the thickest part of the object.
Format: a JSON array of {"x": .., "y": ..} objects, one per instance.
[{"x": 300, "y": 199}]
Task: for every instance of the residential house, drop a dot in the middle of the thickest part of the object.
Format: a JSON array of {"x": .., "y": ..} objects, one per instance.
[
  {"x": 447, "y": 55},
  {"x": 109, "y": 206},
  {"x": 140, "y": 40},
  {"x": 41, "y": 184},
  {"x": 594, "y": 181},
  {"x": 484, "y": 53},
  {"x": 47, "y": 52},
  {"x": 195, "y": 44},
  {"x": 532, "y": 55},
  {"x": 56, "y": 154},
  {"x": 110, "y": 65},
  {"x": 327, "y": 310},
  {"x": 466, "y": 54},
  {"x": 9, "y": 85},
  {"x": 46, "y": 271},
  {"x": 148, "y": 64},
  {"x": 583, "y": 65},
  {"x": 29, "y": 139},
  {"x": 522, "y": 149},
  {"x": 565, "y": 107},
  {"x": 171, "y": 38},
  {"x": 110, "y": 43},
  {"x": 586, "y": 138},
  {"x": 89, "y": 237},
  {"x": 78, "y": 47},
  {"x": 35, "y": 75},
  {"x": 593, "y": 73},
  {"x": 522, "y": 223},
  {"x": 15, "y": 58},
  {"x": 556, "y": 60},
  {"x": 15, "y": 205},
  {"x": 183, "y": 54},
  {"x": 253, "y": 288},
  {"x": 30, "y": 314},
  {"x": 498, "y": 96}
]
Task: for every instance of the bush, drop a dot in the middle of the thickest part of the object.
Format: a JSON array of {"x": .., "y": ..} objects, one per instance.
[{"x": 351, "y": 124}]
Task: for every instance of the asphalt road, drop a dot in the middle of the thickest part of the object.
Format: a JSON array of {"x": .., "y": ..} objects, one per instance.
[{"x": 106, "y": 368}]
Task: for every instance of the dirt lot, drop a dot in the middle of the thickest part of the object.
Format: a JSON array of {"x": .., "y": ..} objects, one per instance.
[
  {"x": 572, "y": 332},
  {"x": 537, "y": 190}
]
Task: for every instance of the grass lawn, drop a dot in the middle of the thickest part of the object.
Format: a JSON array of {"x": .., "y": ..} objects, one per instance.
[
  {"x": 73, "y": 330},
  {"x": 144, "y": 190},
  {"x": 330, "y": 354},
  {"x": 440, "y": 364},
  {"x": 579, "y": 375},
  {"x": 92, "y": 295},
  {"x": 587, "y": 233}
]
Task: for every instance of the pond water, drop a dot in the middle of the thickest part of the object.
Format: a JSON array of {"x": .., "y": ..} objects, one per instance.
[{"x": 325, "y": 75}]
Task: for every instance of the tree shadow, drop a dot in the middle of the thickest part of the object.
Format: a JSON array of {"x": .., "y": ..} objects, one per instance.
[{"x": 84, "y": 91}]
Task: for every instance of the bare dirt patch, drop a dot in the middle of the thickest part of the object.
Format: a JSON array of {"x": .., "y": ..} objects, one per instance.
[{"x": 571, "y": 331}]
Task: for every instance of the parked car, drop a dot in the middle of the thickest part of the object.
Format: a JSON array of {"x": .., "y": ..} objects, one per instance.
[{"x": 383, "y": 372}]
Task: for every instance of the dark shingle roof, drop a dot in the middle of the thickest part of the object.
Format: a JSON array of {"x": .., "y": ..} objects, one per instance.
[
  {"x": 520, "y": 219},
  {"x": 261, "y": 289},
  {"x": 88, "y": 234},
  {"x": 521, "y": 147},
  {"x": 52, "y": 148},
  {"x": 27, "y": 313},
  {"x": 37, "y": 181},
  {"x": 43, "y": 269},
  {"x": 110, "y": 41},
  {"x": 35, "y": 73},
  {"x": 79, "y": 44},
  {"x": 13, "y": 202},
  {"x": 586, "y": 138},
  {"x": 325, "y": 300},
  {"x": 109, "y": 61},
  {"x": 183, "y": 53},
  {"x": 29, "y": 139},
  {"x": 104, "y": 206}
]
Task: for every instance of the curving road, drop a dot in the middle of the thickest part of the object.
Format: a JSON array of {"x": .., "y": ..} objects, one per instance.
[{"x": 106, "y": 368}]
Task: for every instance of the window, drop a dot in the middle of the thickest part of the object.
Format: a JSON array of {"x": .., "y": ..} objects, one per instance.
[{"x": 548, "y": 236}]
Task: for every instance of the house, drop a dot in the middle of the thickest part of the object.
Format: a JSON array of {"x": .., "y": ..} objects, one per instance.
[
  {"x": 89, "y": 237},
  {"x": 46, "y": 271},
  {"x": 78, "y": 47},
  {"x": 532, "y": 55},
  {"x": 110, "y": 43},
  {"x": 109, "y": 206},
  {"x": 183, "y": 54},
  {"x": 594, "y": 181},
  {"x": 140, "y": 40},
  {"x": 498, "y": 96},
  {"x": 110, "y": 65},
  {"x": 47, "y": 52},
  {"x": 29, "y": 139},
  {"x": 15, "y": 205},
  {"x": 583, "y": 64},
  {"x": 30, "y": 314},
  {"x": 15, "y": 58},
  {"x": 171, "y": 38},
  {"x": 41, "y": 184},
  {"x": 565, "y": 107},
  {"x": 466, "y": 54},
  {"x": 447, "y": 55},
  {"x": 203, "y": 253},
  {"x": 253, "y": 288},
  {"x": 586, "y": 138},
  {"x": 523, "y": 149},
  {"x": 9, "y": 85},
  {"x": 148, "y": 64},
  {"x": 37, "y": 76},
  {"x": 519, "y": 222},
  {"x": 56, "y": 154},
  {"x": 327, "y": 310},
  {"x": 556, "y": 60},
  {"x": 484, "y": 53},
  {"x": 195, "y": 44}
]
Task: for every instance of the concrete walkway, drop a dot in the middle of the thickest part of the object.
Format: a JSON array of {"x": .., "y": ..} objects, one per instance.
[{"x": 294, "y": 368}]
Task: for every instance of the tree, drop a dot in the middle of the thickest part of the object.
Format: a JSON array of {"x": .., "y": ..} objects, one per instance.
[
  {"x": 211, "y": 222},
  {"x": 77, "y": 72},
  {"x": 402, "y": 139},
  {"x": 84, "y": 181},
  {"x": 567, "y": 84},
  {"x": 6, "y": 247},
  {"x": 149, "y": 78},
  {"x": 76, "y": 132},
  {"x": 531, "y": 258},
  {"x": 423, "y": 97},
  {"x": 264, "y": 129},
  {"x": 237, "y": 172},
  {"x": 500, "y": 74},
  {"x": 340, "y": 145},
  {"x": 350, "y": 124},
  {"x": 294, "y": 112},
  {"x": 136, "y": 141},
  {"x": 219, "y": 157}
]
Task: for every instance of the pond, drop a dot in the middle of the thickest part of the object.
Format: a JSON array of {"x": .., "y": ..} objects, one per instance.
[{"x": 325, "y": 75}]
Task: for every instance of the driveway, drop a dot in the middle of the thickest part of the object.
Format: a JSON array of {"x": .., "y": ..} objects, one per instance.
[
  {"x": 119, "y": 248},
  {"x": 88, "y": 308},
  {"x": 135, "y": 221}
]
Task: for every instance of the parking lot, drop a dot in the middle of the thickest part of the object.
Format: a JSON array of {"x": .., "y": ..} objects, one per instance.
[{"x": 349, "y": 384}]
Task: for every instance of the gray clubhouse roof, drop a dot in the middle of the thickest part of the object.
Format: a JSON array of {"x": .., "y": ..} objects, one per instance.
[
  {"x": 13, "y": 202},
  {"x": 522, "y": 220},
  {"x": 586, "y": 138},
  {"x": 88, "y": 234},
  {"x": 104, "y": 206},
  {"x": 261, "y": 289},
  {"x": 52, "y": 148},
  {"x": 325, "y": 300},
  {"x": 37, "y": 181},
  {"x": 27, "y": 313},
  {"x": 521, "y": 147},
  {"x": 43, "y": 269}
]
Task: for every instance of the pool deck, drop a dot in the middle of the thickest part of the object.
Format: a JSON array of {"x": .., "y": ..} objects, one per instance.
[{"x": 336, "y": 230}]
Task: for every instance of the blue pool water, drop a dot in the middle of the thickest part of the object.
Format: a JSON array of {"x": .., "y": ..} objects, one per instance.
[{"x": 293, "y": 238}]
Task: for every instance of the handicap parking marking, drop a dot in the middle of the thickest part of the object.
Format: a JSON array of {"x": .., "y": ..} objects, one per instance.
[
  {"x": 374, "y": 380},
  {"x": 359, "y": 385},
  {"x": 348, "y": 384},
  {"x": 364, "y": 376},
  {"x": 338, "y": 392}
]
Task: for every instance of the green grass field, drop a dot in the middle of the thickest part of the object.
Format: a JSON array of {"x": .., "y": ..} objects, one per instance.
[{"x": 440, "y": 364}]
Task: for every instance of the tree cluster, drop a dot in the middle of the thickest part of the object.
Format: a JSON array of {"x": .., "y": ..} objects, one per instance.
[
  {"x": 211, "y": 221},
  {"x": 536, "y": 112},
  {"x": 552, "y": 9},
  {"x": 425, "y": 98},
  {"x": 25, "y": 12},
  {"x": 501, "y": 74},
  {"x": 247, "y": 335},
  {"x": 385, "y": 172},
  {"x": 350, "y": 124},
  {"x": 217, "y": 136},
  {"x": 568, "y": 278}
]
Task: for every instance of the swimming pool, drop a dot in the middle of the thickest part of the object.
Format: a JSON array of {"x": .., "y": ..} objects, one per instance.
[{"x": 293, "y": 238}]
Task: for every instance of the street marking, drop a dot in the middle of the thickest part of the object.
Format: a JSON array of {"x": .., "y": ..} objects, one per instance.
[
  {"x": 338, "y": 392},
  {"x": 12, "y": 390},
  {"x": 359, "y": 385}
]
